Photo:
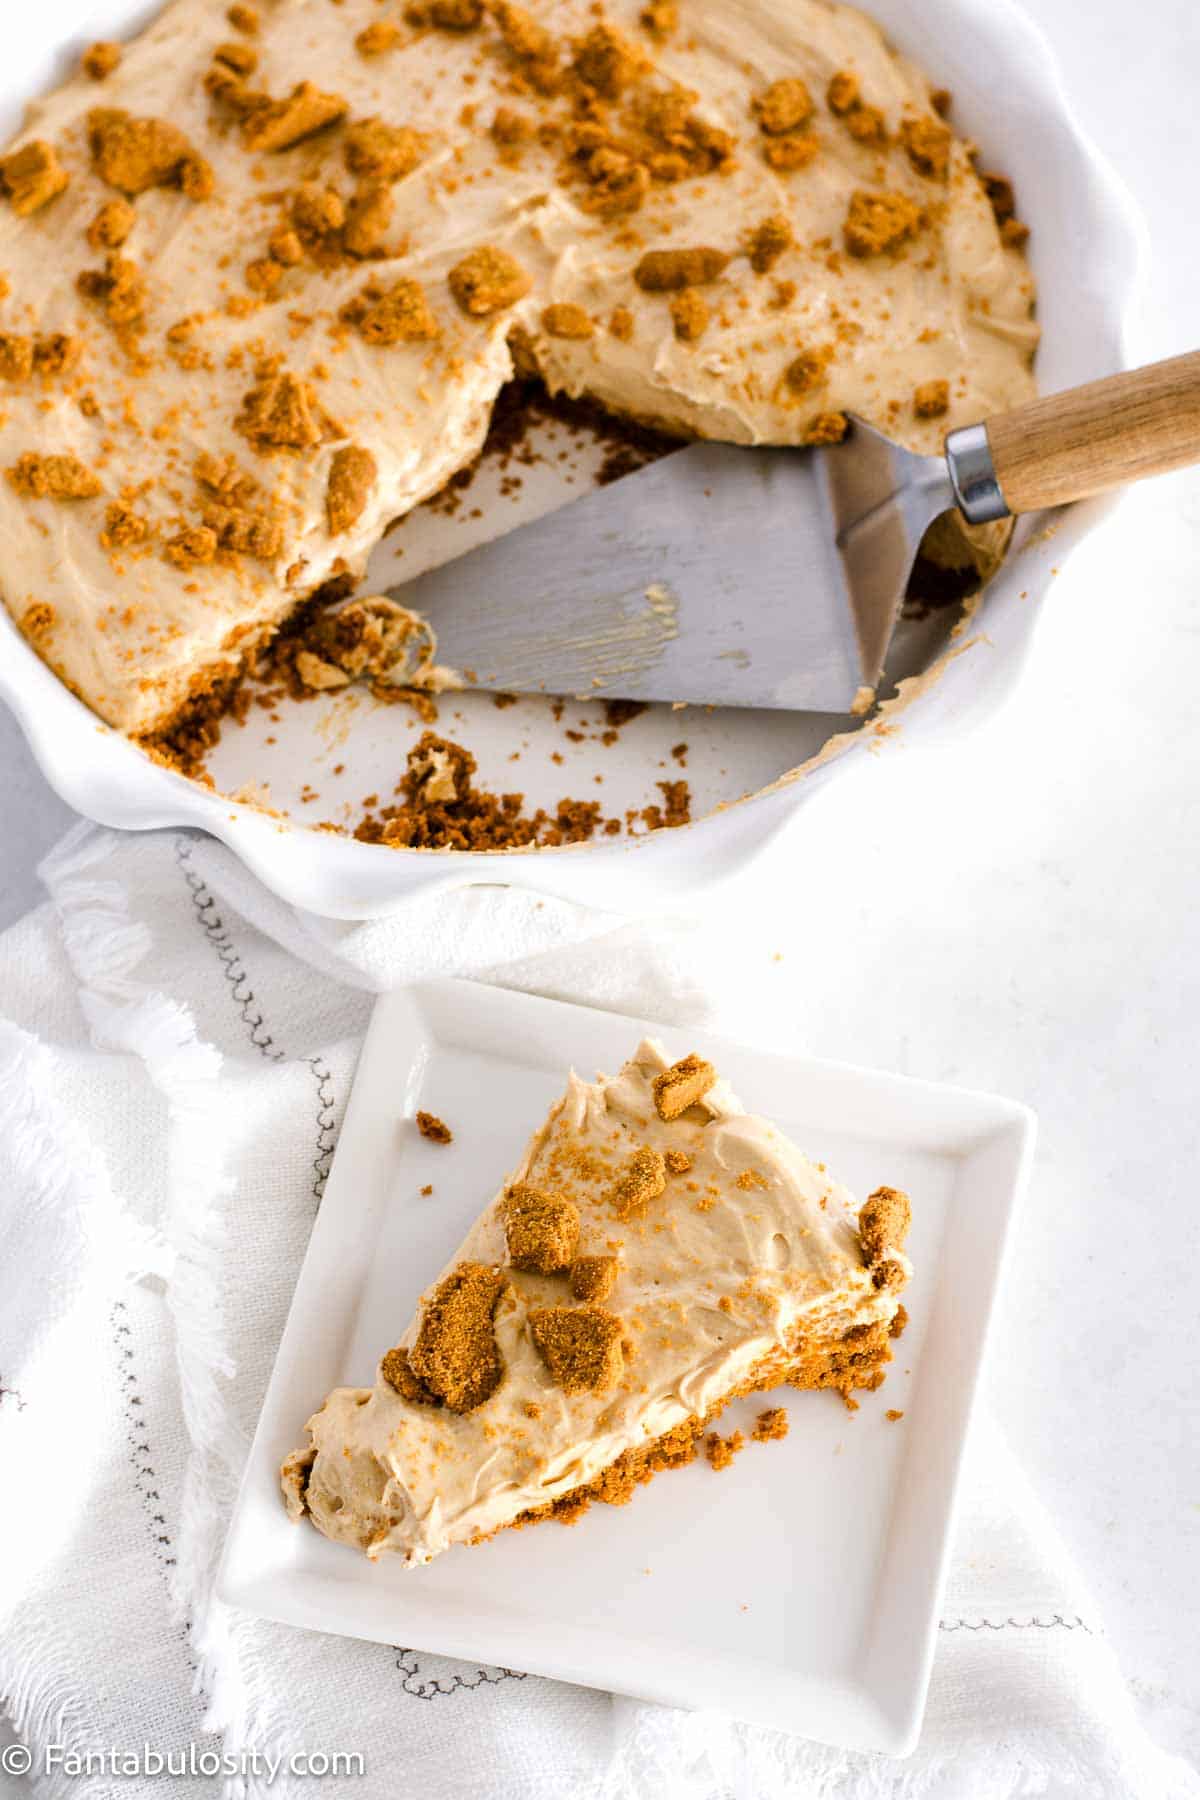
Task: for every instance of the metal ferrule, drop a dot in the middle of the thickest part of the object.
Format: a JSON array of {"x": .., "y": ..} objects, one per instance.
[{"x": 973, "y": 475}]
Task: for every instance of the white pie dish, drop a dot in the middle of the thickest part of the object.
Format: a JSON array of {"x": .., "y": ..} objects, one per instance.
[
  {"x": 799, "y": 1589},
  {"x": 1085, "y": 254}
]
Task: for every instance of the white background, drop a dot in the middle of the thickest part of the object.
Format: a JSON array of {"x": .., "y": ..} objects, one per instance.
[{"x": 1023, "y": 913}]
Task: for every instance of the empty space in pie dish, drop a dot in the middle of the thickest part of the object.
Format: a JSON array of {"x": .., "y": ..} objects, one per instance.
[{"x": 320, "y": 759}]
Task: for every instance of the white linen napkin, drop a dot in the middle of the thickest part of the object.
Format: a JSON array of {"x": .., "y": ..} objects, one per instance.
[{"x": 176, "y": 1049}]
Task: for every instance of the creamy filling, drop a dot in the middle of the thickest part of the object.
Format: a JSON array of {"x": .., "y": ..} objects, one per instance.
[{"x": 131, "y": 631}]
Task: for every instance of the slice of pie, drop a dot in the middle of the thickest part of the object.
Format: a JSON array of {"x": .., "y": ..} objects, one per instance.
[{"x": 658, "y": 1252}]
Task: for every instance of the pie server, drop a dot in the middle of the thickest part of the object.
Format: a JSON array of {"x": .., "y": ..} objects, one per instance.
[{"x": 774, "y": 577}]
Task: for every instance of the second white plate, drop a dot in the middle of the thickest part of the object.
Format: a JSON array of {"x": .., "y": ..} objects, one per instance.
[{"x": 799, "y": 1588}]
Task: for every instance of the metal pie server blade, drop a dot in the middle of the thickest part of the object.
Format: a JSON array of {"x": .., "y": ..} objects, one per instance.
[{"x": 717, "y": 575}]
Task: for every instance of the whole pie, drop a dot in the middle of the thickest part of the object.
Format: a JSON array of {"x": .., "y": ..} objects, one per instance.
[
  {"x": 658, "y": 1252},
  {"x": 267, "y": 267}
]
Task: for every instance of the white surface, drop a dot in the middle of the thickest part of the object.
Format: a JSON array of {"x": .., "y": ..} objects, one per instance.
[
  {"x": 1020, "y": 912},
  {"x": 1084, "y": 253},
  {"x": 818, "y": 1608}
]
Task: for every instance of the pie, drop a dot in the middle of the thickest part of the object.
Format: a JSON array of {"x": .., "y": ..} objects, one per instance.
[
  {"x": 267, "y": 267},
  {"x": 658, "y": 1252}
]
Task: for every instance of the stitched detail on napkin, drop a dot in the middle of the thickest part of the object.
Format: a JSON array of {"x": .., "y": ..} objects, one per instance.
[
  {"x": 438, "y": 1687},
  {"x": 1055, "y": 1623}
]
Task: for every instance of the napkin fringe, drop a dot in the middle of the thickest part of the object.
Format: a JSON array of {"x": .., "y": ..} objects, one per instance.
[{"x": 104, "y": 948}]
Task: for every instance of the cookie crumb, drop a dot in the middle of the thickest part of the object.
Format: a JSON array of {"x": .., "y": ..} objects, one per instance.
[
  {"x": 581, "y": 1346},
  {"x": 100, "y": 59},
  {"x": 678, "y": 1162},
  {"x": 893, "y": 1413},
  {"x": 721, "y": 1451},
  {"x": 771, "y": 1425},
  {"x": 879, "y": 224},
  {"x": 32, "y": 176},
  {"x": 455, "y": 1355},
  {"x": 541, "y": 1230},
  {"x": 644, "y": 1179},
  {"x": 931, "y": 399},
  {"x": 397, "y": 1371},
  {"x": 680, "y": 1086},
  {"x": 488, "y": 280},
  {"x": 564, "y": 320},
  {"x": 594, "y": 1277},
  {"x": 669, "y": 271},
  {"x": 433, "y": 1128},
  {"x": 883, "y": 1222},
  {"x": 352, "y": 475}
]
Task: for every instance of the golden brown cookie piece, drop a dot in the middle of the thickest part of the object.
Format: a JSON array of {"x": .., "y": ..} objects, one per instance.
[
  {"x": 400, "y": 314},
  {"x": 488, "y": 280},
  {"x": 879, "y": 224},
  {"x": 32, "y": 176},
  {"x": 680, "y": 1086},
  {"x": 785, "y": 106},
  {"x": 53, "y": 477},
  {"x": 643, "y": 1179},
  {"x": 669, "y": 271},
  {"x": 100, "y": 59},
  {"x": 594, "y": 1277},
  {"x": 689, "y": 316},
  {"x": 387, "y": 152},
  {"x": 565, "y": 320},
  {"x": 397, "y": 1371},
  {"x": 352, "y": 476},
  {"x": 16, "y": 356},
  {"x": 455, "y": 1356},
  {"x": 433, "y": 1128},
  {"x": 931, "y": 399},
  {"x": 768, "y": 241},
  {"x": 581, "y": 1346},
  {"x": 927, "y": 144},
  {"x": 279, "y": 413},
  {"x": 770, "y": 1425},
  {"x": 541, "y": 1229},
  {"x": 721, "y": 1451},
  {"x": 278, "y": 124},
  {"x": 135, "y": 154},
  {"x": 111, "y": 225},
  {"x": 678, "y": 1162},
  {"x": 883, "y": 1221}
]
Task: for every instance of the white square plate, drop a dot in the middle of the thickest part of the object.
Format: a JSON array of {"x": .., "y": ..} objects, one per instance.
[{"x": 799, "y": 1588}]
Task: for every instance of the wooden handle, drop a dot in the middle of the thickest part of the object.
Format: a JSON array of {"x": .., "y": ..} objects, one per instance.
[{"x": 1070, "y": 445}]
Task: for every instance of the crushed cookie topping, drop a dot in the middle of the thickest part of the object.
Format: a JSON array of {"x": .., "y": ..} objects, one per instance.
[
  {"x": 720, "y": 1451},
  {"x": 771, "y": 1425},
  {"x": 433, "y": 1128},
  {"x": 274, "y": 125},
  {"x": 16, "y": 356},
  {"x": 134, "y": 154},
  {"x": 100, "y": 59},
  {"x": 32, "y": 176},
  {"x": 352, "y": 476},
  {"x": 808, "y": 370},
  {"x": 927, "y": 145},
  {"x": 119, "y": 289},
  {"x": 594, "y": 1277},
  {"x": 879, "y": 224},
  {"x": 53, "y": 477},
  {"x": 659, "y": 18},
  {"x": 931, "y": 399},
  {"x": 244, "y": 18},
  {"x": 643, "y": 1179},
  {"x": 195, "y": 545},
  {"x": 581, "y": 1346},
  {"x": 680, "y": 1086},
  {"x": 606, "y": 62},
  {"x": 38, "y": 620},
  {"x": 397, "y": 1370},
  {"x": 541, "y": 1229},
  {"x": 785, "y": 106},
  {"x": 279, "y": 413},
  {"x": 111, "y": 225},
  {"x": 387, "y": 152},
  {"x": 400, "y": 314},
  {"x": 770, "y": 239},
  {"x": 669, "y": 271},
  {"x": 488, "y": 280},
  {"x": 678, "y": 1162},
  {"x": 689, "y": 315},
  {"x": 884, "y": 1221},
  {"x": 565, "y": 320},
  {"x": 455, "y": 1356},
  {"x": 379, "y": 36}
]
